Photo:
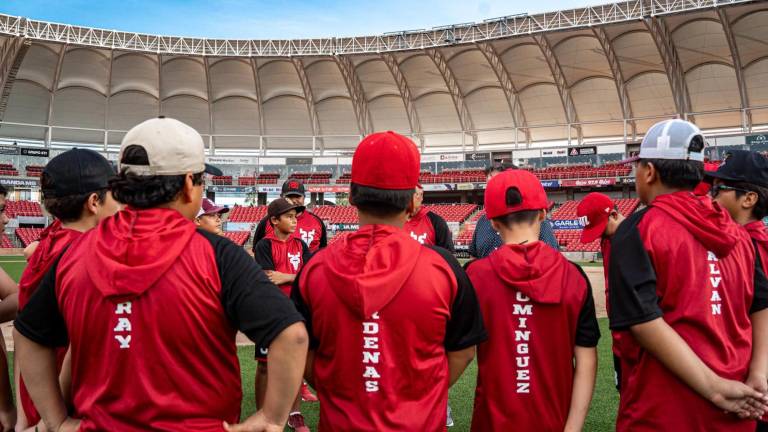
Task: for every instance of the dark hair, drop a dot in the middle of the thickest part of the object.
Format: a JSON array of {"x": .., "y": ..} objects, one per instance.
[
  {"x": 380, "y": 202},
  {"x": 499, "y": 167},
  {"x": 760, "y": 210},
  {"x": 678, "y": 174},
  {"x": 68, "y": 208},
  {"x": 146, "y": 191},
  {"x": 527, "y": 217},
  {"x": 3, "y": 190}
]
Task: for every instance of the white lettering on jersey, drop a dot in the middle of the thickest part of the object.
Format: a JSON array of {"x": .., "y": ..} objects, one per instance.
[
  {"x": 123, "y": 327},
  {"x": 307, "y": 236},
  {"x": 295, "y": 260},
  {"x": 522, "y": 338},
  {"x": 419, "y": 238},
  {"x": 716, "y": 301},
  {"x": 371, "y": 356}
]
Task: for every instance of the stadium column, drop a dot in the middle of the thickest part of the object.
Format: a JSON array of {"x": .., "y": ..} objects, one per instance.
[{"x": 738, "y": 69}]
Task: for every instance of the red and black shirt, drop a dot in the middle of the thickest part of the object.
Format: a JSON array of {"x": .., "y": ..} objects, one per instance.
[
  {"x": 682, "y": 259},
  {"x": 310, "y": 229},
  {"x": 155, "y": 311},
  {"x": 429, "y": 229},
  {"x": 285, "y": 256},
  {"x": 382, "y": 311}
]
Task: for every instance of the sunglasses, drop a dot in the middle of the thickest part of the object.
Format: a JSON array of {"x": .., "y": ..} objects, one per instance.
[{"x": 721, "y": 187}]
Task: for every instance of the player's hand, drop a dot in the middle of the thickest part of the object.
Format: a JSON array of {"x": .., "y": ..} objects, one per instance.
[
  {"x": 69, "y": 425},
  {"x": 739, "y": 398},
  {"x": 255, "y": 423},
  {"x": 758, "y": 382},
  {"x": 8, "y": 420}
]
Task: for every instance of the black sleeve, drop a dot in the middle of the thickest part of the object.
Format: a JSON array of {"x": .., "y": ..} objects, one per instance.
[
  {"x": 443, "y": 235},
  {"x": 631, "y": 278},
  {"x": 465, "y": 328},
  {"x": 261, "y": 231},
  {"x": 306, "y": 254},
  {"x": 41, "y": 321},
  {"x": 323, "y": 232},
  {"x": 760, "y": 298},
  {"x": 587, "y": 329},
  {"x": 252, "y": 303},
  {"x": 301, "y": 306},
  {"x": 262, "y": 253}
]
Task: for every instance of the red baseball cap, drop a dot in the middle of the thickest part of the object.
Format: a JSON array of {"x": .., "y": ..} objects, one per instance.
[
  {"x": 593, "y": 212},
  {"x": 529, "y": 186},
  {"x": 386, "y": 160}
]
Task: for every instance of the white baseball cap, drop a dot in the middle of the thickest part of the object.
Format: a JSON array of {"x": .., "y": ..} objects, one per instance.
[
  {"x": 672, "y": 139},
  {"x": 173, "y": 148}
]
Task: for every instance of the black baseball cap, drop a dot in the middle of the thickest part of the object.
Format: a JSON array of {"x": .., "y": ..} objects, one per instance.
[
  {"x": 293, "y": 187},
  {"x": 743, "y": 166},
  {"x": 77, "y": 172},
  {"x": 281, "y": 206}
]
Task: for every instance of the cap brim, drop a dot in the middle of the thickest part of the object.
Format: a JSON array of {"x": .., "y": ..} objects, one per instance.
[
  {"x": 293, "y": 193},
  {"x": 212, "y": 170},
  {"x": 594, "y": 232},
  {"x": 719, "y": 175},
  {"x": 298, "y": 208}
]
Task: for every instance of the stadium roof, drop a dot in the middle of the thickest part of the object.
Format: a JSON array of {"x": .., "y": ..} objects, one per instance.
[{"x": 598, "y": 73}]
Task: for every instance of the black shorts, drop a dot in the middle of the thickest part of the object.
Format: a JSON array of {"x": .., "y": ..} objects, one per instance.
[{"x": 617, "y": 372}]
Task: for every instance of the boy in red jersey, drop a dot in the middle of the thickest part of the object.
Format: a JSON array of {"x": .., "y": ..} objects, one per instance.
[
  {"x": 75, "y": 191},
  {"x": 741, "y": 186},
  {"x": 309, "y": 227},
  {"x": 682, "y": 289},
  {"x": 600, "y": 218},
  {"x": 541, "y": 319},
  {"x": 281, "y": 256},
  {"x": 151, "y": 321},
  {"x": 426, "y": 227},
  {"x": 392, "y": 323}
]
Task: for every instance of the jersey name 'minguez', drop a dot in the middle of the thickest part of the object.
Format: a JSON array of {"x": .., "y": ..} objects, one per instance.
[
  {"x": 715, "y": 278},
  {"x": 123, "y": 327},
  {"x": 522, "y": 337},
  {"x": 371, "y": 355}
]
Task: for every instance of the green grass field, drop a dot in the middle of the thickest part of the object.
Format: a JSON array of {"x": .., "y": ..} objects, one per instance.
[{"x": 602, "y": 414}]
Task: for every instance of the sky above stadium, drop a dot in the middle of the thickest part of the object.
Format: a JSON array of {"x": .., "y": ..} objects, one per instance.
[{"x": 257, "y": 19}]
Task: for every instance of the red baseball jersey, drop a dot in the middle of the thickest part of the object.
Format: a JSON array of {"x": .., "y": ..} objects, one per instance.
[
  {"x": 537, "y": 307},
  {"x": 682, "y": 259},
  {"x": 151, "y": 321},
  {"x": 429, "y": 229},
  {"x": 286, "y": 256},
  {"x": 382, "y": 311},
  {"x": 759, "y": 235},
  {"x": 310, "y": 229},
  {"x": 53, "y": 241}
]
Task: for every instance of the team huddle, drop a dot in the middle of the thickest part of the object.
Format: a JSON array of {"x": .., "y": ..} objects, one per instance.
[{"x": 131, "y": 301}]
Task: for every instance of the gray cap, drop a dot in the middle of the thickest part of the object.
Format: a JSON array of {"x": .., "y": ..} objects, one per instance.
[{"x": 672, "y": 139}]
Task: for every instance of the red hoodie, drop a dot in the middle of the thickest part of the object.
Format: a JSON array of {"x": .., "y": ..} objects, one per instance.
[
  {"x": 538, "y": 307},
  {"x": 53, "y": 241},
  {"x": 378, "y": 306},
  {"x": 701, "y": 265},
  {"x": 309, "y": 229},
  {"x": 141, "y": 357}
]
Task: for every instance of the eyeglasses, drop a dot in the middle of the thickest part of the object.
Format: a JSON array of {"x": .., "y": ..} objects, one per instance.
[{"x": 721, "y": 187}]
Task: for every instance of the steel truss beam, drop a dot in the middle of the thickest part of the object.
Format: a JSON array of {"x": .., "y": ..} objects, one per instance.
[
  {"x": 311, "y": 108},
  {"x": 356, "y": 94},
  {"x": 465, "y": 120},
  {"x": 737, "y": 67},
  {"x": 508, "y": 86},
  {"x": 618, "y": 76},
  {"x": 466, "y": 33},
  {"x": 663, "y": 40},
  {"x": 405, "y": 92},
  {"x": 562, "y": 85}
]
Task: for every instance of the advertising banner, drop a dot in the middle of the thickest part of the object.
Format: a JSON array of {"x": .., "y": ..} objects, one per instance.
[
  {"x": 582, "y": 151},
  {"x": 39, "y": 152},
  {"x": 588, "y": 182},
  {"x": 550, "y": 184},
  {"x": 17, "y": 182},
  {"x": 567, "y": 224},
  {"x": 328, "y": 189}
]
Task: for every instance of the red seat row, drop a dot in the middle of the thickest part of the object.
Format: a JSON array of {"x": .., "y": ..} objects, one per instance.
[
  {"x": 23, "y": 208},
  {"x": 238, "y": 237},
  {"x": 28, "y": 235},
  {"x": 567, "y": 210},
  {"x": 247, "y": 213}
]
